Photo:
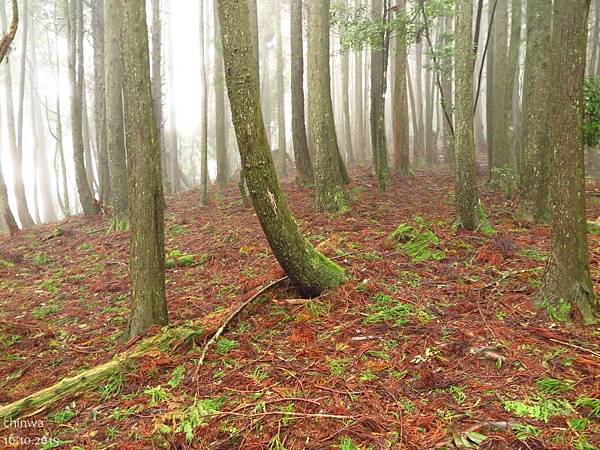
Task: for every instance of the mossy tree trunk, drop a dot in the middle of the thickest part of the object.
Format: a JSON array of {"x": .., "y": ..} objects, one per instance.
[
  {"x": 113, "y": 66},
  {"x": 299, "y": 139},
  {"x": 75, "y": 63},
  {"x": 400, "y": 100},
  {"x": 467, "y": 197},
  {"x": 536, "y": 112},
  {"x": 329, "y": 178},
  {"x": 567, "y": 282},
  {"x": 308, "y": 269},
  {"x": 147, "y": 251},
  {"x": 5, "y": 211},
  {"x": 378, "y": 88}
]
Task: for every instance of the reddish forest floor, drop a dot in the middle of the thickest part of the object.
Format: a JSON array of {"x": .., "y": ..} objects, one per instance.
[{"x": 447, "y": 352}]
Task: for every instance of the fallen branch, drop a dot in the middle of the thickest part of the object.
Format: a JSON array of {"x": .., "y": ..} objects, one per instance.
[
  {"x": 232, "y": 316},
  {"x": 583, "y": 349}
]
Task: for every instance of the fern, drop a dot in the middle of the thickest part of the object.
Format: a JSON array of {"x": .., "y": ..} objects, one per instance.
[{"x": 592, "y": 403}]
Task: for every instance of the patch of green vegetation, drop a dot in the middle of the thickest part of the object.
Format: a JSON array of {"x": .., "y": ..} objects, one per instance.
[
  {"x": 260, "y": 374},
  {"x": 113, "y": 387},
  {"x": 346, "y": 443},
  {"x": 593, "y": 228},
  {"x": 458, "y": 394},
  {"x": 176, "y": 258},
  {"x": 9, "y": 341},
  {"x": 318, "y": 308},
  {"x": 118, "y": 225},
  {"x": 592, "y": 403},
  {"x": 176, "y": 377},
  {"x": 85, "y": 247},
  {"x": 41, "y": 259},
  {"x": 485, "y": 227},
  {"x": 63, "y": 416},
  {"x": 538, "y": 408},
  {"x": 337, "y": 367},
  {"x": 42, "y": 311},
  {"x": 122, "y": 414},
  {"x": 560, "y": 312},
  {"x": 157, "y": 395},
  {"x": 579, "y": 424},
  {"x": 409, "y": 278},
  {"x": 178, "y": 230},
  {"x": 385, "y": 309},
  {"x": 5, "y": 264},
  {"x": 419, "y": 242},
  {"x": 534, "y": 254},
  {"x": 552, "y": 386},
  {"x": 397, "y": 374},
  {"x": 225, "y": 345},
  {"x": 195, "y": 415},
  {"x": 524, "y": 432},
  {"x": 367, "y": 375}
]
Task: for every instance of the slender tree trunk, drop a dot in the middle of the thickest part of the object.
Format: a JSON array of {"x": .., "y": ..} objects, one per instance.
[
  {"x": 567, "y": 285},
  {"x": 490, "y": 87},
  {"x": 418, "y": 93},
  {"x": 117, "y": 155},
  {"x": 281, "y": 135},
  {"x": 400, "y": 100},
  {"x": 500, "y": 155},
  {"x": 87, "y": 141},
  {"x": 536, "y": 112},
  {"x": 16, "y": 139},
  {"x": 156, "y": 73},
  {"x": 378, "y": 82},
  {"x": 467, "y": 197},
  {"x": 204, "y": 118},
  {"x": 300, "y": 140},
  {"x": 448, "y": 97},
  {"x": 75, "y": 64},
  {"x": 310, "y": 271},
  {"x": 346, "y": 103},
  {"x": 219, "y": 87},
  {"x": 100, "y": 100},
  {"x": 329, "y": 180},
  {"x": 147, "y": 262},
  {"x": 174, "y": 151}
]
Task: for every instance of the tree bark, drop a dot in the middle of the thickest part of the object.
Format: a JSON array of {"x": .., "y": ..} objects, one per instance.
[
  {"x": 281, "y": 134},
  {"x": 117, "y": 155},
  {"x": 308, "y": 269},
  {"x": 173, "y": 144},
  {"x": 204, "y": 111},
  {"x": 536, "y": 112},
  {"x": 467, "y": 197},
  {"x": 567, "y": 282},
  {"x": 330, "y": 194},
  {"x": 219, "y": 89},
  {"x": 400, "y": 118},
  {"x": 147, "y": 251},
  {"x": 359, "y": 104},
  {"x": 299, "y": 139},
  {"x": 75, "y": 64}
]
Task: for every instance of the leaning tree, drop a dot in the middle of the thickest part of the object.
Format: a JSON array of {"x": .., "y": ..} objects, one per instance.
[{"x": 308, "y": 269}]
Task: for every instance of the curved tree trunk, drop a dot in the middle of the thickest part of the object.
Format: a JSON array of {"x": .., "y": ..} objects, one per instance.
[
  {"x": 308, "y": 269},
  {"x": 146, "y": 237}
]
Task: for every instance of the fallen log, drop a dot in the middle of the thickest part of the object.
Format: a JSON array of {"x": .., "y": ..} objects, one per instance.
[{"x": 168, "y": 340}]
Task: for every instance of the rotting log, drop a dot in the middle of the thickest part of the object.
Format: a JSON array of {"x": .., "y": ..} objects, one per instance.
[{"x": 169, "y": 339}]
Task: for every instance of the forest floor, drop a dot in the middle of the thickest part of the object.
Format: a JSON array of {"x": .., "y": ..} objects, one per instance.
[{"x": 431, "y": 345}]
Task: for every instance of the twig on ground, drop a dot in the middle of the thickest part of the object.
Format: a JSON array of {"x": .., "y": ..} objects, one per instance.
[
  {"x": 232, "y": 316},
  {"x": 583, "y": 349}
]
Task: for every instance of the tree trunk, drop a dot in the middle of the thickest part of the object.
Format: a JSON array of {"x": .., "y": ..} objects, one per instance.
[
  {"x": 400, "y": 100},
  {"x": 117, "y": 155},
  {"x": 87, "y": 140},
  {"x": 281, "y": 135},
  {"x": 75, "y": 64},
  {"x": 489, "y": 92},
  {"x": 536, "y": 112},
  {"x": 299, "y": 139},
  {"x": 100, "y": 100},
  {"x": 156, "y": 73},
  {"x": 377, "y": 113},
  {"x": 448, "y": 99},
  {"x": 219, "y": 87},
  {"x": 359, "y": 105},
  {"x": 308, "y": 269},
  {"x": 204, "y": 111},
  {"x": 500, "y": 156},
  {"x": 16, "y": 139},
  {"x": 346, "y": 103},
  {"x": 418, "y": 93},
  {"x": 173, "y": 145},
  {"x": 329, "y": 180},
  {"x": 467, "y": 197},
  {"x": 567, "y": 287},
  {"x": 147, "y": 261}
]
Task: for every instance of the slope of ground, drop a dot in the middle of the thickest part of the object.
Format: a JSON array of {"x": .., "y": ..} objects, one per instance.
[{"x": 433, "y": 342}]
